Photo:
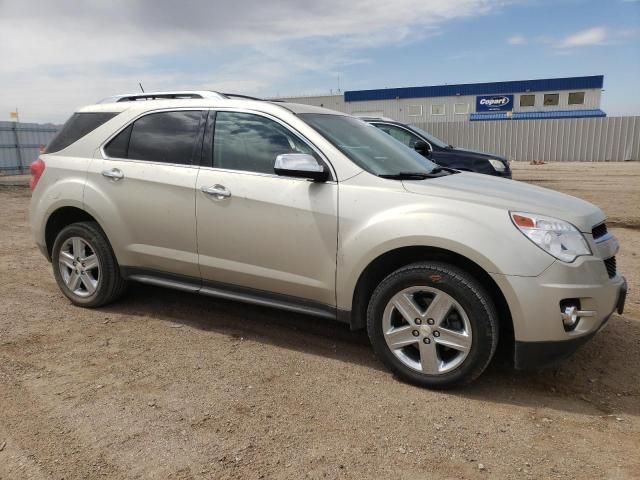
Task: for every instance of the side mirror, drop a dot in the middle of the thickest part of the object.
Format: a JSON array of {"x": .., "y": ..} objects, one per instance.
[
  {"x": 300, "y": 165},
  {"x": 422, "y": 148}
]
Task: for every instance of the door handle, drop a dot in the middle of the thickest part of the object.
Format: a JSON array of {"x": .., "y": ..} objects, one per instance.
[
  {"x": 219, "y": 192},
  {"x": 114, "y": 174}
]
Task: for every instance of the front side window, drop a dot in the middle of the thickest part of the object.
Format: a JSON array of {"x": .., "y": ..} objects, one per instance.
[
  {"x": 366, "y": 146},
  {"x": 576, "y": 98},
  {"x": 166, "y": 137},
  {"x": 551, "y": 99},
  {"x": 430, "y": 138},
  {"x": 248, "y": 142},
  {"x": 399, "y": 134}
]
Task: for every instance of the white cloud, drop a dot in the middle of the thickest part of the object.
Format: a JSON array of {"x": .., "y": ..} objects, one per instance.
[
  {"x": 57, "y": 55},
  {"x": 584, "y": 38},
  {"x": 517, "y": 39}
]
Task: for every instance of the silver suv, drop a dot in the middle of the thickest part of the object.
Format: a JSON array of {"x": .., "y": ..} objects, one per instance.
[{"x": 313, "y": 211}]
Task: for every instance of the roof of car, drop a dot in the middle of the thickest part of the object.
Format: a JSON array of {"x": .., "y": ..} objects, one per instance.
[
  {"x": 378, "y": 119},
  {"x": 164, "y": 100}
]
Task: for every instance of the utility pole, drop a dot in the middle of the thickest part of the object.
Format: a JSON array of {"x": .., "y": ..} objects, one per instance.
[{"x": 16, "y": 137}]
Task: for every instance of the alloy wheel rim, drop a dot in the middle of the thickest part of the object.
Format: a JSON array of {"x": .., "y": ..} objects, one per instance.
[
  {"x": 79, "y": 266},
  {"x": 427, "y": 330}
]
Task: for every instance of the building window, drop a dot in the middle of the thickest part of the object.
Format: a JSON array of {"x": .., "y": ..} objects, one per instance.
[
  {"x": 437, "y": 109},
  {"x": 528, "y": 100},
  {"x": 414, "y": 110},
  {"x": 576, "y": 98},
  {"x": 460, "y": 108},
  {"x": 551, "y": 99}
]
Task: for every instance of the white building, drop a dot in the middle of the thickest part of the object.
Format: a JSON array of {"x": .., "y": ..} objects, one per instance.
[{"x": 571, "y": 97}]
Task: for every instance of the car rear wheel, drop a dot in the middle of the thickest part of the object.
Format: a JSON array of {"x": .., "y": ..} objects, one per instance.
[
  {"x": 433, "y": 325},
  {"x": 85, "y": 267}
]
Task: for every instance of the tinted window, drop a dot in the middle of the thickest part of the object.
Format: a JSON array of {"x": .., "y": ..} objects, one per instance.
[
  {"x": 119, "y": 146},
  {"x": 168, "y": 137},
  {"x": 243, "y": 141},
  {"x": 399, "y": 134},
  {"x": 77, "y": 127}
]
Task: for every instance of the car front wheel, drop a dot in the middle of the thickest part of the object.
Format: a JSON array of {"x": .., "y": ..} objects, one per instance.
[{"x": 433, "y": 325}]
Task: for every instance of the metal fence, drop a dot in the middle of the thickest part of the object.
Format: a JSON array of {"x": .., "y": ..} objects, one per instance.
[
  {"x": 578, "y": 139},
  {"x": 608, "y": 139},
  {"x": 20, "y": 144}
]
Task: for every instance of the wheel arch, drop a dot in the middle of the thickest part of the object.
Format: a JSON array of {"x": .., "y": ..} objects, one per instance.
[
  {"x": 61, "y": 218},
  {"x": 394, "y": 259}
]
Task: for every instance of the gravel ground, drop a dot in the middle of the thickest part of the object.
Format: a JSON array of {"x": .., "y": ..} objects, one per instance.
[{"x": 169, "y": 385}]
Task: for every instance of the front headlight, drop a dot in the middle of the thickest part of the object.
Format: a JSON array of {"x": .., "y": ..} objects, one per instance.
[
  {"x": 497, "y": 165},
  {"x": 556, "y": 237}
]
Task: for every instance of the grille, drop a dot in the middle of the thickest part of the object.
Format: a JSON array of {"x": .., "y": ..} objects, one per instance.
[
  {"x": 599, "y": 231},
  {"x": 610, "y": 263}
]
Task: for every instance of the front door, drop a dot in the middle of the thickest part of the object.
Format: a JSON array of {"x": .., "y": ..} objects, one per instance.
[{"x": 259, "y": 230}]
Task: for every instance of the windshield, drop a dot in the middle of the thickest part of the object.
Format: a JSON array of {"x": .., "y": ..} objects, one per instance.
[
  {"x": 368, "y": 147},
  {"x": 432, "y": 140}
]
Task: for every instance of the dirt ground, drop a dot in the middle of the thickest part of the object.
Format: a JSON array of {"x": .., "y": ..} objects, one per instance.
[{"x": 169, "y": 385}]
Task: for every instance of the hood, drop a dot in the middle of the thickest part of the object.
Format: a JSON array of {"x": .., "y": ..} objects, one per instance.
[
  {"x": 479, "y": 154},
  {"x": 510, "y": 195}
]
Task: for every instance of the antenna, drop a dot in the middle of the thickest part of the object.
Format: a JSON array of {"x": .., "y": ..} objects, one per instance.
[{"x": 140, "y": 83}]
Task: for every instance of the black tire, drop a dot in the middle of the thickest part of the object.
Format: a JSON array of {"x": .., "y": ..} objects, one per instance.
[
  {"x": 469, "y": 294},
  {"x": 110, "y": 284}
]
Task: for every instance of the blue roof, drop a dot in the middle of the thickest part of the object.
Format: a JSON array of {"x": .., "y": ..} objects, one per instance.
[
  {"x": 518, "y": 86},
  {"x": 475, "y": 117}
]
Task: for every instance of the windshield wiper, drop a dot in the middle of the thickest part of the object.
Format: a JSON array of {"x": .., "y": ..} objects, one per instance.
[
  {"x": 435, "y": 173},
  {"x": 444, "y": 169},
  {"x": 410, "y": 175}
]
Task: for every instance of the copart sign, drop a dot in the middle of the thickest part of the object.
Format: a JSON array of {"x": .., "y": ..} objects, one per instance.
[{"x": 494, "y": 103}]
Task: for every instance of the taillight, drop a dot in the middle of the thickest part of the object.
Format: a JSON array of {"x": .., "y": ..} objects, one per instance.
[{"x": 36, "y": 169}]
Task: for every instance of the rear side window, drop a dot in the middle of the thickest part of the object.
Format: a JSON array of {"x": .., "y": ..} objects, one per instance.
[
  {"x": 77, "y": 127},
  {"x": 167, "y": 137}
]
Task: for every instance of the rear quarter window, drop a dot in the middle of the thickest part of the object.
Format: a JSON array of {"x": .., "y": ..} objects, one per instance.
[{"x": 79, "y": 125}]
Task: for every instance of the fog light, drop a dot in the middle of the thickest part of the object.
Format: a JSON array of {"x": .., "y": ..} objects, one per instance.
[
  {"x": 570, "y": 318},
  {"x": 571, "y": 313}
]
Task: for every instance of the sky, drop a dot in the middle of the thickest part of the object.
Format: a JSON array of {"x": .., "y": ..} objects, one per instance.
[{"x": 59, "y": 55}]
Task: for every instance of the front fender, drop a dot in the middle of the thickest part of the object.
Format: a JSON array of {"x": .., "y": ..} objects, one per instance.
[{"x": 393, "y": 220}]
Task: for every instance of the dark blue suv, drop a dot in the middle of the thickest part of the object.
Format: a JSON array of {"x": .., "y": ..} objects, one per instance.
[{"x": 441, "y": 153}]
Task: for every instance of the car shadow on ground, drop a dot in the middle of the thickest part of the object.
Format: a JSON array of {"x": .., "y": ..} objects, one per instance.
[{"x": 600, "y": 379}]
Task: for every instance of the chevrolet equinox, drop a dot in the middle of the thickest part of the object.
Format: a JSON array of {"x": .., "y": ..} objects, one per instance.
[{"x": 313, "y": 211}]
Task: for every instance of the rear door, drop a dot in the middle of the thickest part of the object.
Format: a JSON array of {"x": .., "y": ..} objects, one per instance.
[
  {"x": 263, "y": 231},
  {"x": 141, "y": 188}
]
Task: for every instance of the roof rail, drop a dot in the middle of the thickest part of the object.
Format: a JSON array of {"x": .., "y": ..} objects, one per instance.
[
  {"x": 133, "y": 97},
  {"x": 242, "y": 97}
]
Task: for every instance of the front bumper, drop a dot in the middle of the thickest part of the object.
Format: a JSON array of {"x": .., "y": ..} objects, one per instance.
[
  {"x": 534, "y": 303},
  {"x": 528, "y": 355}
]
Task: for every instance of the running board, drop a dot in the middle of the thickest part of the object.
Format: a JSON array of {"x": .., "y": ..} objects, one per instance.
[{"x": 239, "y": 294}]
